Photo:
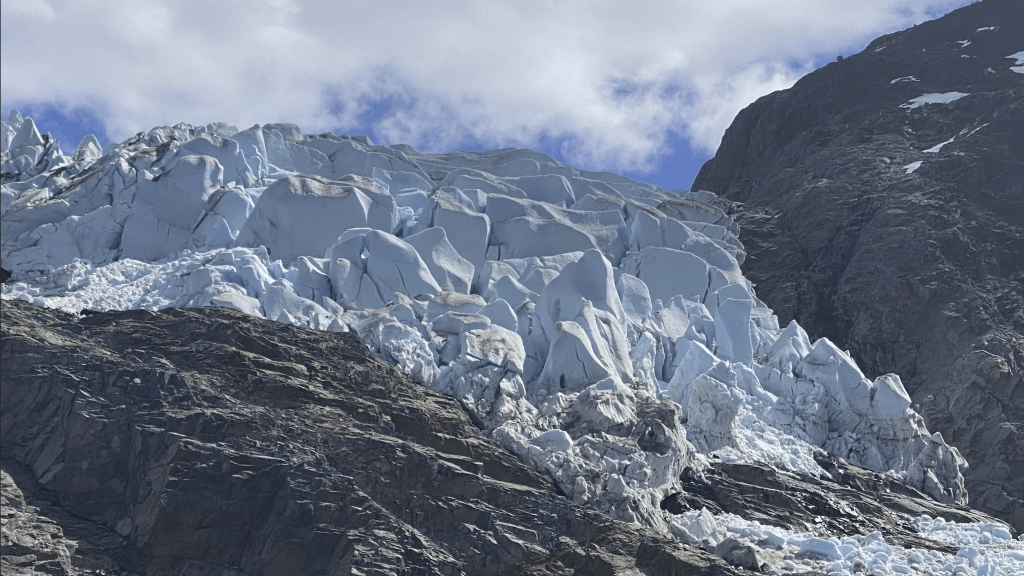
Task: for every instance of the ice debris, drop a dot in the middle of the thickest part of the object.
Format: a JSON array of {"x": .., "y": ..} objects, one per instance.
[
  {"x": 599, "y": 328},
  {"x": 985, "y": 549}
]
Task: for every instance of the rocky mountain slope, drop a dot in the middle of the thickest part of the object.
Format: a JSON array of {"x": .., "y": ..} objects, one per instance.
[
  {"x": 206, "y": 441},
  {"x": 883, "y": 207},
  {"x": 260, "y": 351}
]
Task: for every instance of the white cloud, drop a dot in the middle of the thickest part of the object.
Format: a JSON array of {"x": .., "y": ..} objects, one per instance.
[{"x": 609, "y": 81}]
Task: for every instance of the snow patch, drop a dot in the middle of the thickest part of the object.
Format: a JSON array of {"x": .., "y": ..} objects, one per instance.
[
  {"x": 934, "y": 98},
  {"x": 1019, "y": 57},
  {"x": 937, "y": 147},
  {"x": 912, "y": 166}
]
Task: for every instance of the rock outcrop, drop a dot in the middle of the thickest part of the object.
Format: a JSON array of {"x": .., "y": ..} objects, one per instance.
[
  {"x": 210, "y": 442},
  {"x": 883, "y": 207}
]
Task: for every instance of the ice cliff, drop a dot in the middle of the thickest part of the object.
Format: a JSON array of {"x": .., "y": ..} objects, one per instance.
[{"x": 599, "y": 328}]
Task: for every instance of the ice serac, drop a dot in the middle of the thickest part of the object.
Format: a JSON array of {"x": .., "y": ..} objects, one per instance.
[
  {"x": 524, "y": 228},
  {"x": 615, "y": 346},
  {"x": 368, "y": 266},
  {"x": 467, "y": 230},
  {"x": 226, "y": 151},
  {"x": 304, "y": 215},
  {"x": 167, "y": 208},
  {"x": 449, "y": 268}
]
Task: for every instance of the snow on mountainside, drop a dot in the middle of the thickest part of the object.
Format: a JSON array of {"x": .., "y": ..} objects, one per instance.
[{"x": 599, "y": 328}]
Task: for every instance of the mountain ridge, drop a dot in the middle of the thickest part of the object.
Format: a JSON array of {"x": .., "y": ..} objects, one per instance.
[{"x": 916, "y": 269}]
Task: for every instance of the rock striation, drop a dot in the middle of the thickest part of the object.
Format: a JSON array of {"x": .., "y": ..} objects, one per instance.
[{"x": 881, "y": 200}]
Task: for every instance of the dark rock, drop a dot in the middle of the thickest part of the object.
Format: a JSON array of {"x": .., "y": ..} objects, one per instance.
[
  {"x": 915, "y": 273},
  {"x": 205, "y": 441}
]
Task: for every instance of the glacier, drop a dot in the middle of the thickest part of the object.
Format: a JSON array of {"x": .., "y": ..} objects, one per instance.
[{"x": 599, "y": 328}]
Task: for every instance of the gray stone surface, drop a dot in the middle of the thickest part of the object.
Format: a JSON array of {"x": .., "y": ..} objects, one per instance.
[
  {"x": 916, "y": 273},
  {"x": 30, "y": 543},
  {"x": 208, "y": 442}
]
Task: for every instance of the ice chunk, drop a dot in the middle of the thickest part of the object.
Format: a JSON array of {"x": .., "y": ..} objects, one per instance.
[
  {"x": 938, "y": 471},
  {"x": 451, "y": 271},
  {"x": 493, "y": 346},
  {"x": 834, "y": 369},
  {"x": 572, "y": 362},
  {"x": 26, "y": 135},
  {"x": 889, "y": 398},
  {"x": 226, "y": 151},
  {"x": 698, "y": 527},
  {"x": 467, "y": 230},
  {"x": 304, "y": 215},
  {"x": 790, "y": 348},
  {"x": 554, "y": 441},
  {"x": 668, "y": 272},
  {"x": 281, "y": 298},
  {"x": 939, "y": 146},
  {"x": 236, "y": 301},
  {"x": 501, "y": 314},
  {"x": 823, "y": 548},
  {"x": 524, "y": 228},
  {"x": 605, "y": 406},
  {"x": 696, "y": 361},
  {"x": 711, "y": 413},
  {"x": 458, "y": 322},
  {"x": 452, "y": 302},
  {"x": 635, "y": 298},
  {"x": 89, "y": 149},
  {"x": 311, "y": 281},
  {"x": 167, "y": 208},
  {"x": 401, "y": 181},
  {"x": 285, "y": 152},
  {"x": 732, "y": 330},
  {"x": 550, "y": 188},
  {"x": 1019, "y": 57},
  {"x": 389, "y": 263},
  {"x": 254, "y": 149},
  {"x": 589, "y": 279}
]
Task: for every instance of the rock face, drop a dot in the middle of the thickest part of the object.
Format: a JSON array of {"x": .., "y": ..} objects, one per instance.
[
  {"x": 210, "y": 442},
  {"x": 883, "y": 207}
]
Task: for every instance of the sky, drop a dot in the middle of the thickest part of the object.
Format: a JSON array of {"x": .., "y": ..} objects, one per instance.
[{"x": 644, "y": 89}]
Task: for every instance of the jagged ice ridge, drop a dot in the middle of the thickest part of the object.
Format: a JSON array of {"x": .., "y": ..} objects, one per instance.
[{"x": 599, "y": 328}]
